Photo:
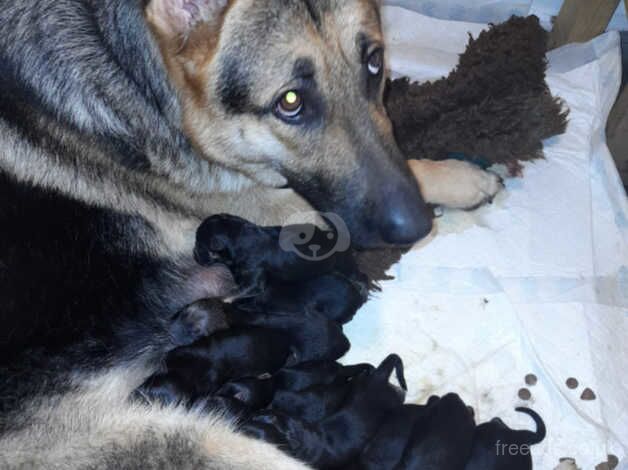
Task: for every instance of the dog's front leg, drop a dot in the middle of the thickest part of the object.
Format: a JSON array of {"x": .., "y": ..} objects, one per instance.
[{"x": 456, "y": 184}]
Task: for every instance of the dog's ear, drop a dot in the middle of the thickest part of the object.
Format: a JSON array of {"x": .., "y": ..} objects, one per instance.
[{"x": 177, "y": 18}]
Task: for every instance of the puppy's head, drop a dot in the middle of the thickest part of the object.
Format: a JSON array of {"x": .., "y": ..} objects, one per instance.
[
  {"x": 289, "y": 92},
  {"x": 221, "y": 238}
]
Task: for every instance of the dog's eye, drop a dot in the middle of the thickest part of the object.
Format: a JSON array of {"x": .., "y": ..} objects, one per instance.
[
  {"x": 375, "y": 62},
  {"x": 290, "y": 105}
]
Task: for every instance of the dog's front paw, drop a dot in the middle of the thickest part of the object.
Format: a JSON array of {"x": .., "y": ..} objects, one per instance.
[
  {"x": 456, "y": 184},
  {"x": 478, "y": 187}
]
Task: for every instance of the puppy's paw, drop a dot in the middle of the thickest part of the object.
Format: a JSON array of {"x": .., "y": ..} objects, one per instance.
[
  {"x": 196, "y": 321},
  {"x": 456, "y": 184}
]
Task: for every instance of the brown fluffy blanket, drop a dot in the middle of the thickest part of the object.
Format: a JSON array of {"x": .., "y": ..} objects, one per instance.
[{"x": 495, "y": 107}]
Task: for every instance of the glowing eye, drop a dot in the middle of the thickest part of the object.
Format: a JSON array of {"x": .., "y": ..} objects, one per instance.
[
  {"x": 290, "y": 104},
  {"x": 376, "y": 62}
]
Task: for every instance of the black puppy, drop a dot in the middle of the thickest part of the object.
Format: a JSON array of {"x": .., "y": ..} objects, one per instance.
[
  {"x": 227, "y": 355},
  {"x": 339, "y": 438},
  {"x": 497, "y": 447},
  {"x": 386, "y": 449},
  {"x": 269, "y": 426},
  {"x": 312, "y": 336},
  {"x": 253, "y": 253},
  {"x": 227, "y": 407},
  {"x": 334, "y": 295},
  {"x": 255, "y": 393},
  {"x": 315, "y": 403},
  {"x": 308, "y": 374},
  {"x": 443, "y": 439},
  {"x": 188, "y": 326},
  {"x": 164, "y": 389},
  {"x": 197, "y": 321},
  {"x": 169, "y": 390}
]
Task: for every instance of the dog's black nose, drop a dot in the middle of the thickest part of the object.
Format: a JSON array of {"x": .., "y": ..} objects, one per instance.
[{"x": 406, "y": 222}]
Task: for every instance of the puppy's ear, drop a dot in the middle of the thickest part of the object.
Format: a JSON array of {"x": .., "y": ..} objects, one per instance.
[{"x": 177, "y": 18}]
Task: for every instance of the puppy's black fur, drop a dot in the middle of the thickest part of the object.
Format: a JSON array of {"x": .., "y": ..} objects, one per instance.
[
  {"x": 270, "y": 427},
  {"x": 443, "y": 440},
  {"x": 497, "y": 447},
  {"x": 315, "y": 403},
  {"x": 308, "y": 374},
  {"x": 386, "y": 449},
  {"x": 197, "y": 321},
  {"x": 227, "y": 355},
  {"x": 255, "y": 393},
  {"x": 341, "y": 437},
  {"x": 334, "y": 295},
  {"x": 169, "y": 390},
  {"x": 312, "y": 336},
  {"x": 164, "y": 389},
  {"x": 253, "y": 254},
  {"x": 229, "y": 407}
]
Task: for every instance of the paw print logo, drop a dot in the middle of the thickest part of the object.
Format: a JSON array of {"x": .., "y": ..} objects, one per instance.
[{"x": 302, "y": 236}]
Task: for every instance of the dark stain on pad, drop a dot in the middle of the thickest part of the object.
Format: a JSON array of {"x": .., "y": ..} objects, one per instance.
[
  {"x": 525, "y": 394},
  {"x": 610, "y": 464},
  {"x": 613, "y": 461},
  {"x": 531, "y": 380},
  {"x": 588, "y": 395},
  {"x": 572, "y": 383}
]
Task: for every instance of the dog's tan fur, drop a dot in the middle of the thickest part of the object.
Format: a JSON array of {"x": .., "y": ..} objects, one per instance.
[
  {"x": 189, "y": 52},
  {"x": 96, "y": 427},
  {"x": 454, "y": 183}
]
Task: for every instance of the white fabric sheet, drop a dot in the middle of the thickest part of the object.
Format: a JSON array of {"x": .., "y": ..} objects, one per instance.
[{"x": 535, "y": 283}]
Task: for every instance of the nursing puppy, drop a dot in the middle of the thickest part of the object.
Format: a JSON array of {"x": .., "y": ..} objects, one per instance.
[
  {"x": 197, "y": 321},
  {"x": 165, "y": 389},
  {"x": 497, "y": 447},
  {"x": 334, "y": 295},
  {"x": 387, "y": 447},
  {"x": 311, "y": 336},
  {"x": 253, "y": 392},
  {"x": 308, "y": 374},
  {"x": 227, "y": 355},
  {"x": 340, "y": 437},
  {"x": 313, "y": 404},
  {"x": 443, "y": 440},
  {"x": 254, "y": 254}
]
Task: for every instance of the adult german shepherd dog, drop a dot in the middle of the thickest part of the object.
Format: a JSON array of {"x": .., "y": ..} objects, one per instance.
[{"x": 123, "y": 125}]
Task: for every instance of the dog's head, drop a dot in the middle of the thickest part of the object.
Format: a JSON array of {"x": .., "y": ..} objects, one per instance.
[{"x": 289, "y": 92}]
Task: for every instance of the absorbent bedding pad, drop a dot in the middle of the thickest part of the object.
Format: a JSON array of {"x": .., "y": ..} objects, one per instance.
[{"x": 523, "y": 302}]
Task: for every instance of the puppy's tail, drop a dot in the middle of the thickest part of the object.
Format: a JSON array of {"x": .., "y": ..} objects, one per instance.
[
  {"x": 393, "y": 362},
  {"x": 530, "y": 437}
]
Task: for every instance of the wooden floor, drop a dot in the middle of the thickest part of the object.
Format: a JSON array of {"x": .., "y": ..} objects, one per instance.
[{"x": 581, "y": 20}]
